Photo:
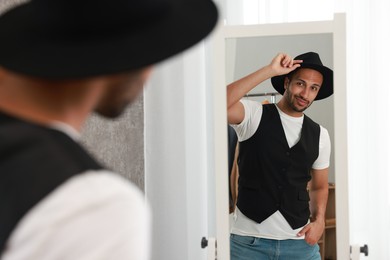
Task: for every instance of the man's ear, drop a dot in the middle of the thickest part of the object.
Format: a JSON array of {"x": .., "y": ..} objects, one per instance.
[
  {"x": 286, "y": 82},
  {"x": 2, "y": 73}
]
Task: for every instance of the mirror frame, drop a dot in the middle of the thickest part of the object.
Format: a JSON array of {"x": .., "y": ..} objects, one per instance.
[{"x": 336, "y": 27}]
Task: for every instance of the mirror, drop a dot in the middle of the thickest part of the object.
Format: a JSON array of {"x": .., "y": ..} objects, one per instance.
[{"x": 242, "y": 49}]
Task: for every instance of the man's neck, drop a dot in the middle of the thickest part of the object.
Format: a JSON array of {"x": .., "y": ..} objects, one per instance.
[
  {"x": 285, "y": 108},
  {"x": 43, "y": 102}
]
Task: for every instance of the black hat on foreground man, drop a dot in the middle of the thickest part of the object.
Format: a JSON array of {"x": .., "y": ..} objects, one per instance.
[
  {"x": 60, "y": 60},
  {"x": 69, "y": 38}
]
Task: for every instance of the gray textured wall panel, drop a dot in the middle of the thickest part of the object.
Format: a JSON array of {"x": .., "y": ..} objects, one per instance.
[{"x": 119, "y": 143}]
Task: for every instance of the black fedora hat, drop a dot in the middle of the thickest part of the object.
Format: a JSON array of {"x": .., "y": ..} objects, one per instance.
[
  {"x": 311, "y": 60},
  {"x": 63, "y": 39}
]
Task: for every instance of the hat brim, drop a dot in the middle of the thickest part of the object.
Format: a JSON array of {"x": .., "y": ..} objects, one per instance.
[
  {"x": 326, "y": 89},
  {"x": 35, "y": 54}
]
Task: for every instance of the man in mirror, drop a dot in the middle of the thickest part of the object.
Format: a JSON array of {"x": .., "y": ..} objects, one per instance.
[{"x": 283, "y": 161}]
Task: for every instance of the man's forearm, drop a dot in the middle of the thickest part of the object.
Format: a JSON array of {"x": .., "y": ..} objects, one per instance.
[{"x": 318, "y": 201}]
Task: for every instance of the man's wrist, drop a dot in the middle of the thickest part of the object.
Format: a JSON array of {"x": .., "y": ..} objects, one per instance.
[{"x": 317, "y": 218}]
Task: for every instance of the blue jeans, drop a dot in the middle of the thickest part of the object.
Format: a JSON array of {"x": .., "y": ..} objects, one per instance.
[{"x": 253, "y": 248}]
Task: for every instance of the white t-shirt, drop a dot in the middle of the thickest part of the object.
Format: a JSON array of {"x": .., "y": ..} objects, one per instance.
[
  {"x": 94, "y": 215},
  {"x": 276, "y": 226}
]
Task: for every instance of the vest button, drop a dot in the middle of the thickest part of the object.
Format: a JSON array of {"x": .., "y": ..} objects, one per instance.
[
  {"x": 284, "y": 169},
  {"x": 280, "y": 187},
  {"x": 277, "y": 205},
  {"x": 288, "y": 153}
]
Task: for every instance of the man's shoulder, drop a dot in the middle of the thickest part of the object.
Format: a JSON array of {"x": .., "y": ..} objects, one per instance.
[
  {"x": 322, "y": 129},
  {"x": 311, "y": 122},
  {"x": 101, "y": 185},
  {"x": 81, "y": 209}
]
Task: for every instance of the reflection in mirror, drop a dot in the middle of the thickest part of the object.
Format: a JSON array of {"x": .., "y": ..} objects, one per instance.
[
  {"x": 245, "y": 55},
  {"x": 248, "y": 54}
]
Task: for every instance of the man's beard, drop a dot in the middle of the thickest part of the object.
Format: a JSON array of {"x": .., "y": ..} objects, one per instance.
[{"x": 290, "y": 102}]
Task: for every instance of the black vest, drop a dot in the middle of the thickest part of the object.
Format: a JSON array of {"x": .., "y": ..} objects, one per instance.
[
  {"x": 34, "y": 160},
  {"x": 272, "y": 175}
]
